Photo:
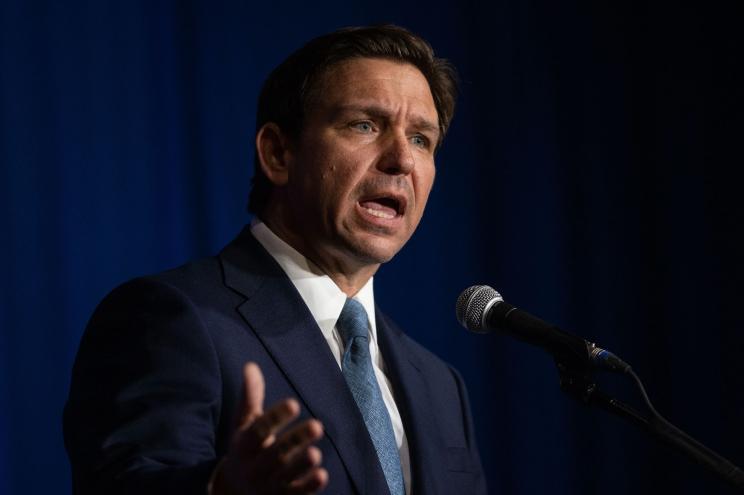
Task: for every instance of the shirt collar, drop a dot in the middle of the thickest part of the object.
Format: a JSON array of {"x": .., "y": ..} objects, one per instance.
[{"x": 321, "y": 295}]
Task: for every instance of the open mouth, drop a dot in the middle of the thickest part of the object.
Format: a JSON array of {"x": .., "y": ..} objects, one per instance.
[{"x": 387, "y": 207}]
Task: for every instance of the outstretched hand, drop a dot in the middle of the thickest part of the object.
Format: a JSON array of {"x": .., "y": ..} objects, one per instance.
[{"x": 267, "y": 454}]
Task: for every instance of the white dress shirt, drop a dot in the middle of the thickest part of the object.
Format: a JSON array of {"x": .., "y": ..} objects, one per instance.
[{"x": 325, "y": 301}]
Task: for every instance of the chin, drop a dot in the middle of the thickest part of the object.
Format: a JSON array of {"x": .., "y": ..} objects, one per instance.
[{"x": 376, "y": 251}]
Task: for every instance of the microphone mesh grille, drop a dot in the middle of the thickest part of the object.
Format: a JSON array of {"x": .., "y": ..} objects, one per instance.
[
  {"x": 462, "y": 304},
  {"x": 472, "y": 303}
]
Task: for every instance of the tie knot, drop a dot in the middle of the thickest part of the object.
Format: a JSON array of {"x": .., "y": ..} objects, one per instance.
[{"x": 353, "y": 321}]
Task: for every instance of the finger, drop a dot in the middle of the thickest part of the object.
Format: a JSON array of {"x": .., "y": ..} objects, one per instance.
[
  {"x": 253, "y": 395},
  {"x": 313, "y": 482},
  {"x": 300, "y": 465},
  {"x": 296, "y": 440},
  {"x": 261, "y": 432}
]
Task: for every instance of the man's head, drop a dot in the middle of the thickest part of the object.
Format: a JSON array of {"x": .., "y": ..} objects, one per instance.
[{"x": 347, "y": 128}]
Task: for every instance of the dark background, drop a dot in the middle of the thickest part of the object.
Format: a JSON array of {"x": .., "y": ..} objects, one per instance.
[{"x": 591, "y": 175}]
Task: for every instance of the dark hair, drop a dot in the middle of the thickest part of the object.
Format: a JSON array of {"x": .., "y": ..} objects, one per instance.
[{"x": 287, "y": 92}]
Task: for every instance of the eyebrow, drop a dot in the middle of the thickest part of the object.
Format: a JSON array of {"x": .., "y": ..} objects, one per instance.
[{"x": 420, "y": 123}]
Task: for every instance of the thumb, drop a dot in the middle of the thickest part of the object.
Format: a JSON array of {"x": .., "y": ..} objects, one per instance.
[{"x": 253, "y": 396}]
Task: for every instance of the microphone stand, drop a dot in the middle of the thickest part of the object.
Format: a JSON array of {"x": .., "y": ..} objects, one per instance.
[{"x": 578, "y": 383}]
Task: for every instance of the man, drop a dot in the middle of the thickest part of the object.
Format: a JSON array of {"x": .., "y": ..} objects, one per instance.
[{"x": 162, "y": 400}]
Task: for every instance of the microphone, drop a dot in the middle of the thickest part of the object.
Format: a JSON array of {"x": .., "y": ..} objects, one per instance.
[{"x": 482, "y": 310}]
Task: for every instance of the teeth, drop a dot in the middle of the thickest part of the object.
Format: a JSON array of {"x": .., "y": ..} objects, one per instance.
[{"x": 380, "y": 214}]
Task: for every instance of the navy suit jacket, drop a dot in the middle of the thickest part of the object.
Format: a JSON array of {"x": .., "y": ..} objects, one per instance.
[{"x": 158, "y": 381}]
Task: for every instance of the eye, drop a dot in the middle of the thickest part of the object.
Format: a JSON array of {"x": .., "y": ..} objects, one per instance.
[
  {"x": 364, "y": 126},
  {"x": 420, "y": 141}
]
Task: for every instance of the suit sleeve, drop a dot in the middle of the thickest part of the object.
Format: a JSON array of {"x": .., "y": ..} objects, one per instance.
[
  {"x": 467, "y": 418},
  {"x": 145, "y": 396}
]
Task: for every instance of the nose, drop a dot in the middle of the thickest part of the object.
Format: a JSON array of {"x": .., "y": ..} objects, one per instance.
[{"x": 397, "y": 158}]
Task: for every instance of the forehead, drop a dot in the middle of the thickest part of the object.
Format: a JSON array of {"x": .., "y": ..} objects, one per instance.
[{"x": 385, "y": 82}]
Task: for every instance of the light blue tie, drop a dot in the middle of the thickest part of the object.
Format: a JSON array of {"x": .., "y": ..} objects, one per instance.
[{"x": 360, "y": 376}]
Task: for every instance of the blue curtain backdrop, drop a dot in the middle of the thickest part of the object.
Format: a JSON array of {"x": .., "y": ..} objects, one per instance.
[{"x": 591, "y": 175}]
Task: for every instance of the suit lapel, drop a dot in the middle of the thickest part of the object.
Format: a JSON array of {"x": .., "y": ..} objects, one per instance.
[
  {"x": 277, "y": 314},
  {"x": 415, "y": 405}
]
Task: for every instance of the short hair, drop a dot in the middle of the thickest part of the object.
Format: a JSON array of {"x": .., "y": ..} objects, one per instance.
[{"x": 287, "y": 92}]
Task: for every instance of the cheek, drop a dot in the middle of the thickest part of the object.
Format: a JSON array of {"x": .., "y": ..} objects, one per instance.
[
  {"x": 344, "y": 181},
  {"x": 423, "y": 186},
  {"x": 335, "y": 194}
]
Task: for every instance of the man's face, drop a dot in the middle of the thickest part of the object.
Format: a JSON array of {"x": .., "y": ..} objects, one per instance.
[{"x": 363, "y": 166}]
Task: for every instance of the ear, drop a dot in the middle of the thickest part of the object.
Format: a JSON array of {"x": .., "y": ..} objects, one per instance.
[{"x": 273, "y": 148}]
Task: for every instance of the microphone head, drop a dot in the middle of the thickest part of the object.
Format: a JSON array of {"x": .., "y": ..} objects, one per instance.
[{"x": 472, "y": 305}]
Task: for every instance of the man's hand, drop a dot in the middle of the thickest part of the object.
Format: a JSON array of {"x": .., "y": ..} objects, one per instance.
[{"x": 266, "y": 456}]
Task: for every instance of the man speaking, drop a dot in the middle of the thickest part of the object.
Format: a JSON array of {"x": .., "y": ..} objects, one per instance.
[{"x": 268, "y": 369}]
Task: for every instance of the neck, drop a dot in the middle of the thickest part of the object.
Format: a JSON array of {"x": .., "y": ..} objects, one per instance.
[
  {"x": 348, "y": 274},
  {"x": 351, "y": 285}
]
